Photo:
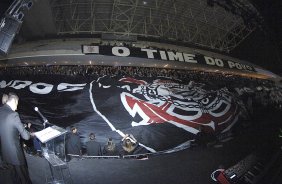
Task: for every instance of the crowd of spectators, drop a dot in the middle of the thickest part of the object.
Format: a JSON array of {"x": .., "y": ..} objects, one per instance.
[
  {"x": 266, "y": 90},
  {"x": 94, "y": 70}
]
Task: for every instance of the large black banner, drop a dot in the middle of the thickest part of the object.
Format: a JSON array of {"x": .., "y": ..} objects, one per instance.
[
  {"x": 148, "y": 53},
  {"x": 161, "y": 113}
]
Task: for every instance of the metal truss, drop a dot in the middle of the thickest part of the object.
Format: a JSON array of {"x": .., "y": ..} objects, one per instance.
[{"x": 193, "y": 21}]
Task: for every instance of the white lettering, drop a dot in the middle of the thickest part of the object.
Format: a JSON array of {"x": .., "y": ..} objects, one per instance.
[
  {"x": 70, "y": 87},
  {"x": 190, "y": 58},
  {"x": 215, "y": 62},
  {"x": 41, "y": 88},
  {"x": 120, "y": 51},
  {"x": 174, "y": 57},
  {"x": 209, "y": 60},
  {"x": 150, "y": 53},
  {"x": 249, "y": 67},
  {"x": 246, "y": 67},
  {"x": 238, "y": 66},
  {"x": 163, "y": 55},
  {"x": 231, "y": 64},
  {"x": 219, "y": 62},
  {"x": 3, "y": 84},
  {"x": 17, "y": 84}
]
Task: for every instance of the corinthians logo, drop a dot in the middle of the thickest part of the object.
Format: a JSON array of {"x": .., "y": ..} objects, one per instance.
[
  {"x": 160, "y": 101},
  {"x": 185, "y": 106}
]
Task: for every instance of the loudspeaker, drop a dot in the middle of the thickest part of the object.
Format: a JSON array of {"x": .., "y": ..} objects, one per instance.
[{"x": 9, "y": 27}]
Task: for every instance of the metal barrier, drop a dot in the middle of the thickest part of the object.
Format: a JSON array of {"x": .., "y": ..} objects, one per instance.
[{"x": 183, "y": 146}]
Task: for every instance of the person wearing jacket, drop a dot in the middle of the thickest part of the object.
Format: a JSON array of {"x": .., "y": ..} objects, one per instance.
[{"x": 10, "y": 129}]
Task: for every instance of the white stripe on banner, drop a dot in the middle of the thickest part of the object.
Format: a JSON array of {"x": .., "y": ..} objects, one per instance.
[{"x": 108, "y": 122}]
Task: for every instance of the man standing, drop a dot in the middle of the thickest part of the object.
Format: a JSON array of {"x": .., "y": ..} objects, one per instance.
[
  {"x": 10, "y": 128},
  {"x": 73, "y": 145},
  {"x": 93, "y": 148},
  {"x": 4, "y": 100}
]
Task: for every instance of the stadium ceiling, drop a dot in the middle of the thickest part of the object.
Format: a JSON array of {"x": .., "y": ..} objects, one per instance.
[{"x": 216, "y": 24}]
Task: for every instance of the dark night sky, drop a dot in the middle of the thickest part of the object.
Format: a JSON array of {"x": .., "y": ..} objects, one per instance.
[
  {"x": 263, "y": 47},
  {"x": 271, "y": 10}
]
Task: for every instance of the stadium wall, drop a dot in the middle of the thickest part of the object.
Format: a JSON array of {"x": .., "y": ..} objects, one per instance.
[{"x": 72, "y": 52}]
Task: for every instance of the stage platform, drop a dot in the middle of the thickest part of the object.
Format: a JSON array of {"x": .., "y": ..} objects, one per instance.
[{"x": 193, "y": 165}]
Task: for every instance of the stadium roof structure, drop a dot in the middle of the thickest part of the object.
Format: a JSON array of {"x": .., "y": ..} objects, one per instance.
[{"x": 215, "y": 24}]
